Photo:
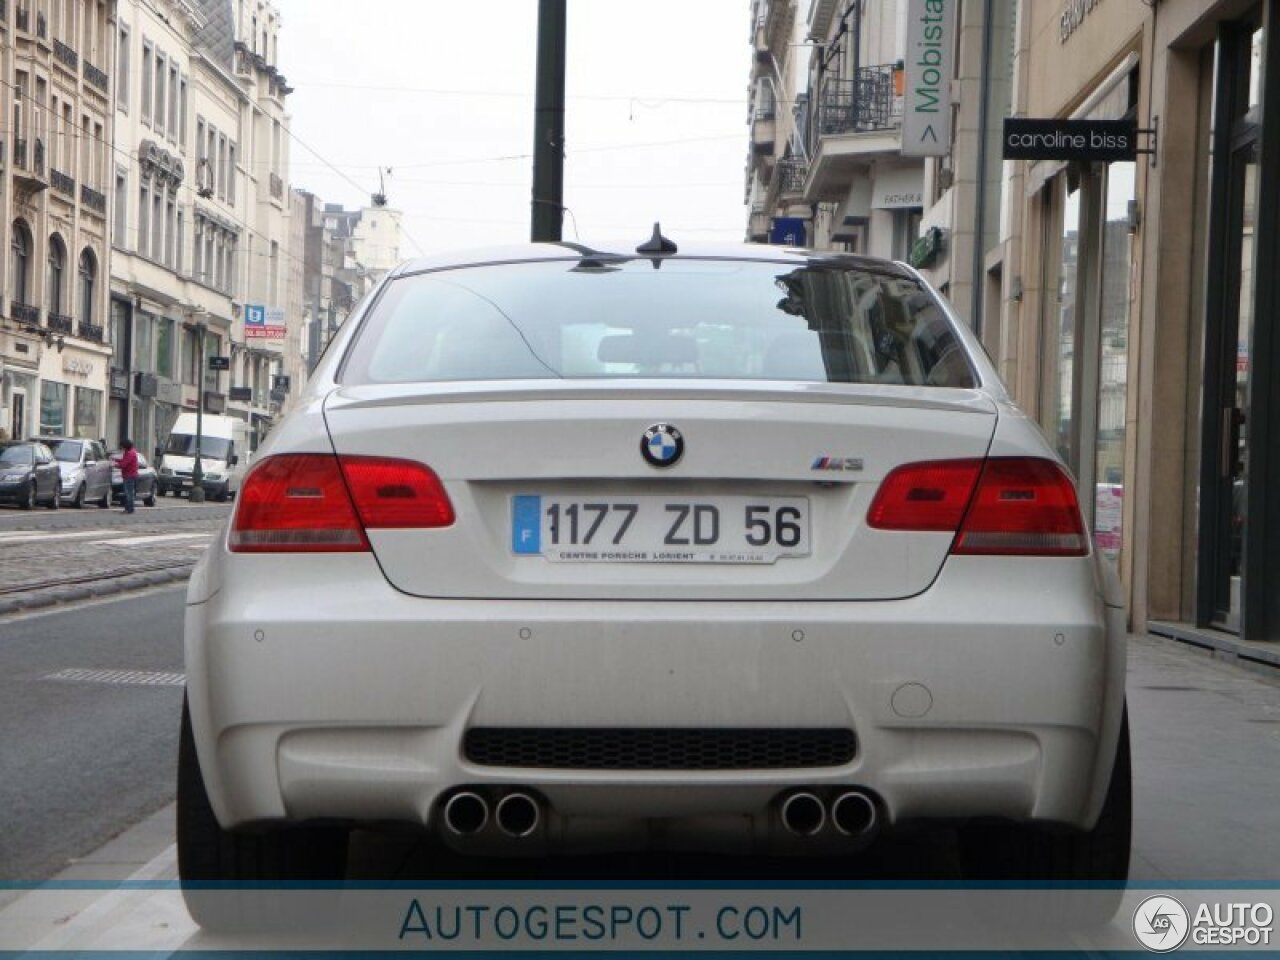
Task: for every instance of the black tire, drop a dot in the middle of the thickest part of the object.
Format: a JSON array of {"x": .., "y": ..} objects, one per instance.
[
  {"x": 30, "y": 502},
  {"x": 78, "y": 500},
  {"x": 55, "y": 501},
  {"x": 1082, "y": 873},
  {"x": 213, "y": 863},
  {"x": 150, "y": 500},
  {"x": 105, "y": 502}
]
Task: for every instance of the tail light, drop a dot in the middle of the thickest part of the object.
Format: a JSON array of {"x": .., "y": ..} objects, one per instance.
[
  {"x": 1023, "y": 506},
  {"x": 308, "y": 502}
]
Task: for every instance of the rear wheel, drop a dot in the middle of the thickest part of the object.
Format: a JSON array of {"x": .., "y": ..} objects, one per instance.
[
  {"x": 55, "y": 501},
  {"x": 30, "y": 502},
  {"x": 1084, "y": 871},
  {"x": 214, "y": 864},
  {"x": 150, "y": 500},
  {"x": 78, "y": 500},
  {"x": 105, "y": 502}
]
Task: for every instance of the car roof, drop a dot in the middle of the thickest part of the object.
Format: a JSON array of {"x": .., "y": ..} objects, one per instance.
[{"x": 761, "y": 253}]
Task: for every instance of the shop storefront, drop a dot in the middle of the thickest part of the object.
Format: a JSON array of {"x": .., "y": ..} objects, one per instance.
[{"x": 1146, "y": 317}]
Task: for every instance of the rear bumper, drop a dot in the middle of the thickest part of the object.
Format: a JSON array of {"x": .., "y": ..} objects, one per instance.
[{"x": 313, "y": 698}]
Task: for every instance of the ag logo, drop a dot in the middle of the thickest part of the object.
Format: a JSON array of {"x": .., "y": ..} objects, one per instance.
[{"x": 1161, "y": 924}]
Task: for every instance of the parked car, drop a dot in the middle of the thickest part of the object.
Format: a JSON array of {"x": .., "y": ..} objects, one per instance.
[
  {"x": 569, "y": 549},
  {"x": 85, "y": 469},
  {"x": 146, "y": 488},
  {"x": 28, "y": 474},
  {"x": 224, "y": 455}
]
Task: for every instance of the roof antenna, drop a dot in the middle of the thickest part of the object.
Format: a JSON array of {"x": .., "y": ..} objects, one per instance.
[{"x": 657, "y": 244}]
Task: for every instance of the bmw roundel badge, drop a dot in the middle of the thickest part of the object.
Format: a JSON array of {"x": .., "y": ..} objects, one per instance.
[{"x": 662, "y": 445}]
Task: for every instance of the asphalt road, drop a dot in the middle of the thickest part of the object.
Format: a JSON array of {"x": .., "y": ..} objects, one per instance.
[{"x": 82, "y": 760}]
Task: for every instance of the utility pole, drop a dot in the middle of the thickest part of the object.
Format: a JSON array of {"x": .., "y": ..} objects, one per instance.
[{"x": 548, "y": 124}]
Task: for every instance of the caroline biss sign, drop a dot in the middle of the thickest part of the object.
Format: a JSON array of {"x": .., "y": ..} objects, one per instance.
[{"x": 1104, "y": 141}]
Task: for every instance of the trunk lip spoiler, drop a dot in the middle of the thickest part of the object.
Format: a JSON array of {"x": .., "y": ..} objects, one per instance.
[{"x": 366, "y": 396}]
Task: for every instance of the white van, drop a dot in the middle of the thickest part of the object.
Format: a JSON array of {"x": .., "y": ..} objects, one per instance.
[{"x": 224, "y": 455}]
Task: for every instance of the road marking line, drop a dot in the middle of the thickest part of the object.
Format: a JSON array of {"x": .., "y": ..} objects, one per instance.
[
  {"x": 153, "y": 538},
  {"x": 149, "y": 678},
  {"x": 30, "y": 536}
]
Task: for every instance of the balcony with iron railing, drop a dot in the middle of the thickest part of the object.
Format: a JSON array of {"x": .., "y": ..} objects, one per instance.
[
  {"x": 90, "y": 331},
  {"x": 852, "y": 121},
  {"x": 62, "y": 183},
  {"x": 95, "y": 77},
  {"x": 93, "y": 200},
  {"x": 60, "y": 322},
  {"x": 66, "y": 56},
  {"x": 24, "y": 313}
]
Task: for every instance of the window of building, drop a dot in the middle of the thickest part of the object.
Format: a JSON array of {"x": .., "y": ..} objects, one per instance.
[
  {"x": 88, "y": 285},
  {"x": 161, "y": 108},
  {"x": 222, "y": 166},
  {"x": 20, "y": 263},
  {"x": 157, "y": 225},
  {"x": 53, "y": 408},
  {"x": 182, "y": 111},
  {"x": 68, "y": 140},
  {"x": 164, "y": 347},
  {"x": 144, "y": 218},
  {"x": 121, "y": 224},
  {"x": 119, "y": 335},
  {"x": 99, "y": 158},
  {"x": 231, "y": 174},
  {"x": 88, "y": 413},
  {"x": 143, "y": 344},
  {"x": 174, "y": 132},
  {"x": 171, "y": 230},
  {"x": 56, "y": 276},
  {"x": 177, "y": 263},
  {"x": 190, "y": 356},
  {"x": 146, "y": 82},
  {"x": 122, "y": 67},
  {"x": 197, "y": 251}
]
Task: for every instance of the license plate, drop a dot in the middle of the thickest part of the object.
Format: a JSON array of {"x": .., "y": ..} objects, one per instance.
[{"x": 651, "y": 529}]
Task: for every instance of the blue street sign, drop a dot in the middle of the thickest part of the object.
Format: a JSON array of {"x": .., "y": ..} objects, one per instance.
[{"x": 787, "y": 231}]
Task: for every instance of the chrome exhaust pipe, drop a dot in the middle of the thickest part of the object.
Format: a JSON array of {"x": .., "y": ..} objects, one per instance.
[
  {"x": 466, "y": 813},
  {"x": 518, "y": 814},
  {"x": 854, "y": 813},
  {"x": 803, "y": 814}
]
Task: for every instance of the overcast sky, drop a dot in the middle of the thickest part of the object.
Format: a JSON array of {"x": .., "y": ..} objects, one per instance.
[{"x": 441, "y": 92}]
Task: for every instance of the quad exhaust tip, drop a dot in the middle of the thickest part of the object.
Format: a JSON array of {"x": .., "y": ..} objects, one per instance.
[
  {"x": 854, "y": 813},
  {"x": 803, "y": 813},
  {"x": 466, "y": 813},
  {"x": 518, "y": 814}
]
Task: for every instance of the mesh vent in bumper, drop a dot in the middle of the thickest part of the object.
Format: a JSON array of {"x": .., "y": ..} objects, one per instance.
[{"x": 673, "y": 748}]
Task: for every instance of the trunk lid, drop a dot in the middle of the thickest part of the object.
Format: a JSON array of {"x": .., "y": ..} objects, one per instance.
[{"x": 509, "y": 455}]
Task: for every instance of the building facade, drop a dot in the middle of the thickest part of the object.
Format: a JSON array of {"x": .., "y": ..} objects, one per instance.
[
  {"x": 199, "y": 219},
  {"x": 1141, "y": 329},
  {"x": 55, "y": 94}
]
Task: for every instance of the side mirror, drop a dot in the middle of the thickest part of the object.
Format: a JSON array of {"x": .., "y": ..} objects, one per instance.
[{"x": 233, "y": 461}]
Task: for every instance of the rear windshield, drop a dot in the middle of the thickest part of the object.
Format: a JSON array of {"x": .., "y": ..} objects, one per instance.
[{"x": 686, "y": 320}]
